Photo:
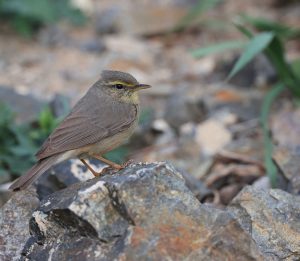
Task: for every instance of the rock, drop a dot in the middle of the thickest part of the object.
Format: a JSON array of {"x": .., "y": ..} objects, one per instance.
[
  {"x": 14, "y": 216},
  {"x": 287, "y": 161},
  {"x": 144, "y": 212},
  {"x": 248, "y": 108},
  {"x": 26, "y": 107},
  {"x": 182, "y": 108},
  {"x": 212, "y": 136},
  {"x": 272, "y": 218},
  {"x": 65, "y": 174},
  {"x": 289, "y": 135},
  {"x": 262, "y": 183},
  {"x": 141, "y": 17},
  {"x": 93, "y": 46},
  {"x": 106, "y": 22},
  {"x": 200, "y": 191},
  {"x": 60, "y": 105},
  {"x": 53, "y": 35},
  {"x": 166, "y": 133}
]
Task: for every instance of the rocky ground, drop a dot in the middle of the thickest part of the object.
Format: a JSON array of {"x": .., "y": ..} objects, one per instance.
[
  {"x": 147, "y": 212},
  {"x": 218, "y": 203}
]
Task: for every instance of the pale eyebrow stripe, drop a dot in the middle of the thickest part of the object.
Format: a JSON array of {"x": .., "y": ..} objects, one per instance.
[{"x": 120, "y": 82}]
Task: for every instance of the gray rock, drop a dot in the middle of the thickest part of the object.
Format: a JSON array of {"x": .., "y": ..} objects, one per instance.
[
  {"x": 93, "y": 46},
  {"x": 182, "y": 108},
  {"x": 146, "y": 212},
  {"x": 141, "y": 17},
  {"x": 106, "y": 22},
  {"x": 287, "y": 161},
  {"x": 53, "y": 35},
  {"x": 245, "y": 110},
  {"x": 272, "y": 218},
  {"x": 199, "y": 189},
  {"x": 14, "y": 216},
  {"x": 25, "y": 107},
  {"x": 60, "y": 105},
  {"x": 65, "y": 174}
]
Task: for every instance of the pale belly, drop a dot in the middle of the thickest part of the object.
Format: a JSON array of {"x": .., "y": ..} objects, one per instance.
[
  {"x": 110, "y": 143},
  {"x": 99, "y": 148}
]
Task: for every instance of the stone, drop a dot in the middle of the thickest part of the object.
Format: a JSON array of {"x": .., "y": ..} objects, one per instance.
[
  {"x": 65, "y": 174},
  {"x": 53, "y": 35},
  {"x": 60, "y": 105},
  {"x": 212, "y": 136},
  {"x": 93, "y": 46},
  {"x": 141, "y": 17},
  {"x": 200, "y": 191},
  {"x": 248, "y": 108},
  {"x": 287, "y": 161},
  {"x": 272, "y": 218},
  {"x": 14, "y": 216},
  {"x": 288, "y": 136},
  {"x": 146, "y": 212},
  {"x": 182, "y": 108},
  {"x": 25, "y": 107},
  {"x": 106, "y": 22}
]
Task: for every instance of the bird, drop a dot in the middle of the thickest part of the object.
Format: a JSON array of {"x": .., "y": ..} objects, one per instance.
[{"x": 100, "y": 121}]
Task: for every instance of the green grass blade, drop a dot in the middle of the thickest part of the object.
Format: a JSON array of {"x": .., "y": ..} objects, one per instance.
[
  {"x": 279, "y": 29},
  {"x": 268, "y": 146},
  {"x": 201, "y": 7},
  {"x": 245, "y": 31},
  {"x": 254, "y": 47},
  {"x": 217, "y": 48},
  {"x": 276, "y": 54}
]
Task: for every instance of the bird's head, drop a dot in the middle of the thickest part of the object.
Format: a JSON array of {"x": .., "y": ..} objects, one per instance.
[{"x": 123, "y": 86}]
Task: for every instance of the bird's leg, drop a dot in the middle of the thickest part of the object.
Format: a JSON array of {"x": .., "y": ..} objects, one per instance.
[
  {"x": 96, "y": 174},
  {"x": 108, "y": 162}
]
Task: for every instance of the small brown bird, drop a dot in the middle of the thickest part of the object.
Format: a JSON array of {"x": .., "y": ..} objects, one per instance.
[{"x": 101, "y": 121}]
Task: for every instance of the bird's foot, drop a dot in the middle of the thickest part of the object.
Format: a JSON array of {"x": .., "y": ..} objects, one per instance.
[
  {"x": 127, "y": 163},
  {"x": 116, "y": 167}
]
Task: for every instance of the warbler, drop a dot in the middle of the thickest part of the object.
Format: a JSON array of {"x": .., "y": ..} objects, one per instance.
[{"x": 100, "y": 121}]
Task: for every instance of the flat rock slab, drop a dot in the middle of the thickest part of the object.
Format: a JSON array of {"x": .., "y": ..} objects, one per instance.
[
  {"x": 144, "y": 212},
  {"x": 272, "y": 218}
]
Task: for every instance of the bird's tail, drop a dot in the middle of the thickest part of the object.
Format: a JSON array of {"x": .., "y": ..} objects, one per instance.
[{"x": 31, "y": 175}]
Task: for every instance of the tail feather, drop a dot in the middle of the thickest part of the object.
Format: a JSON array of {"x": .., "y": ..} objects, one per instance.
[{"x": 32, "y": 174}]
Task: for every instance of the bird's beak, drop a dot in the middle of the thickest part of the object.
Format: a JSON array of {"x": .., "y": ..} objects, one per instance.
[{"x": 141, "y": 86}]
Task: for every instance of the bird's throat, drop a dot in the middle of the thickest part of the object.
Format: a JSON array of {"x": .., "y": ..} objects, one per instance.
[{"x": 132, "y": 99}]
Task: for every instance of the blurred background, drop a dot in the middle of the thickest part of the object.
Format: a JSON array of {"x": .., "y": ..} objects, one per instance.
[{"x": 224, "y": 107}]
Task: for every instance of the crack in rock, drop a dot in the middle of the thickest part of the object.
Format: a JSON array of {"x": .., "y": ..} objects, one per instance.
[{"x": 119, "y": 206}]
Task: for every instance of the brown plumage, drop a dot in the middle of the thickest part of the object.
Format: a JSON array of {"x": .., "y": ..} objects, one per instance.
[{"x": 99, "y": 122}]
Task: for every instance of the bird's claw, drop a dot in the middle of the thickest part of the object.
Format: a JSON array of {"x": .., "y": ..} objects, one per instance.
[
  {"x": 116, "y": 167},
  {"x": 127, "y": 163}
]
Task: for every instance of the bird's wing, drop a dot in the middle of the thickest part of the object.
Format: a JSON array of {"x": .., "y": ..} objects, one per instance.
[{"x": 100, "y": 117}]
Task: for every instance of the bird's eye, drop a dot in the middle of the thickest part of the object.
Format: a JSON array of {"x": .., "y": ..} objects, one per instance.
[{"x": 119, "y": 86}]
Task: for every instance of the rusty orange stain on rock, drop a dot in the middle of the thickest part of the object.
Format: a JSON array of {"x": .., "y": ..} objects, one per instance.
[
  {"x": 177, "y": 236},
  {"x": 139, "y": 234},
  {"x": 227, "y": 96}
]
